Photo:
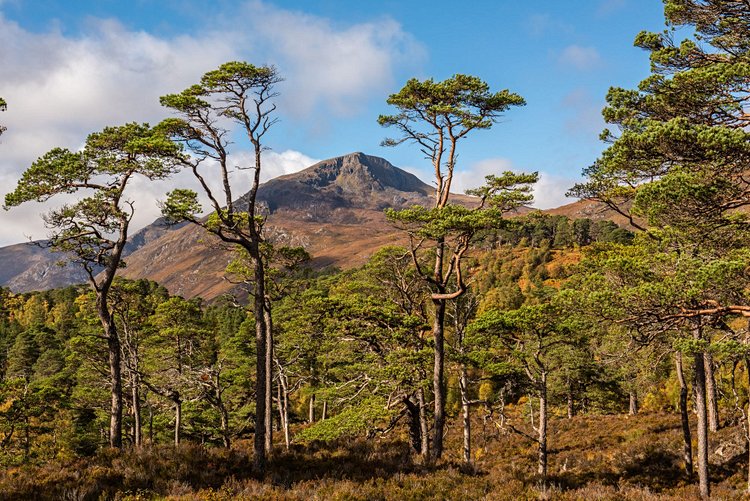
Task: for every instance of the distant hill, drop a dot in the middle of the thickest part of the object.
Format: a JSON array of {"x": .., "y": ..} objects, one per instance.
[
  {"x": 33, "y": 266},
  {"x": 586, "y": 209},
  {"x": 333, "y": 208}
]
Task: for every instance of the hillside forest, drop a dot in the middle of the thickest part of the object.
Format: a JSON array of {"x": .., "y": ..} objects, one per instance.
[{"x": 491, "y": 352}]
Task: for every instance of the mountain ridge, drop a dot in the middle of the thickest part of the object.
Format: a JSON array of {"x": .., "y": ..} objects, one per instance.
[{"x": 333, "y": 208}]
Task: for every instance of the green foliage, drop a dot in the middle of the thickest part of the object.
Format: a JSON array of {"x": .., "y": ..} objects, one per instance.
[
  {"x": 463, "y": 100},
  {"x": 680, "y": 159},
  {"x": 106, "y": 165},
  {"x": 181, "y": 205},
  {"x": 352, "y": 421}
]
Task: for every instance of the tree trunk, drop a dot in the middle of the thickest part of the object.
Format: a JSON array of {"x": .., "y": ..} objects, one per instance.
[
  {"x": 226, "y": 439},
  {"x": 424, "y": 429},
  {"x": 700, "y": 404},
  {"x": 711, "y": 394},
  {"x": 177, "y": 419},
  {"x": 438, "y": 378},
  {"x": 324, "y": 414},
  {"x": 150, "y": 425},
  {"x": 687, "y": 452},
  {"x": 283, "y": 414},
  {"x": 571, "y": 402},
  {"x": 633, "y": 410},
  {"x": 137, "y": 428},
  {"x": 463, "y": 384},
  {"x": 115, "y": 375},
  {"x": 269, "y": 378},
  {"x": 261, "y": 338},
  {"x": 26, "y": 436},
  {"x": 542, "y": 467},
  {"x": 311, "y": 409},
  {"x": 415, "y": 432}
]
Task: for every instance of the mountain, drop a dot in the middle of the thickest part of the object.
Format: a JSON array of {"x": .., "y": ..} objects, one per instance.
[
  {"x": 588, "y": 209},
  {"x": 33, "y": 266},
  {"x": 333, "y": 208}
]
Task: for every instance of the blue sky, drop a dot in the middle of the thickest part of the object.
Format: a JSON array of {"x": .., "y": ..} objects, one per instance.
[{"x": 70, "y": 68}]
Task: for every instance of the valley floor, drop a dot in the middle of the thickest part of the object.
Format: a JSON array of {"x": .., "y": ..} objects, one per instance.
[{"x": 592, "y": 457}]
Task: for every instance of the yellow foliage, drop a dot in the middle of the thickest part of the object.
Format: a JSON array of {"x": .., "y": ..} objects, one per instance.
[
  {"x": 5, "y": 406},
  {"x": 486, "y": 391}
]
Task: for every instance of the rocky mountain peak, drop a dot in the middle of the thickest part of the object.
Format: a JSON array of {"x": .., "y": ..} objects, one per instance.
[
  {"x": 353, "y": 180},
  {"x": 357, "y": 172}
]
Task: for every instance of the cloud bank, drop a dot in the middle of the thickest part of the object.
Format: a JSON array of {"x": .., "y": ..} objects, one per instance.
[
  {"x": 548, "y": 192},
  {"x": 579, "y": 57},
  {"x": 59, "y": 87}
]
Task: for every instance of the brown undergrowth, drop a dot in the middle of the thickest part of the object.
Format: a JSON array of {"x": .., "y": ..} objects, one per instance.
[{"x": 592, "y": 457}]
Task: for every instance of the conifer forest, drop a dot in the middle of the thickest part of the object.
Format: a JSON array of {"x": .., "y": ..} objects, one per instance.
[{"x": 482, "y": 350}]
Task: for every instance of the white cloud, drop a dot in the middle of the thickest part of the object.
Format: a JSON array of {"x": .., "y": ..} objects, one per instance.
[
  {"x": 549, "y": 191},
  {"x": 59, "y": 88},
  {"x": 327, "y": 66},
  {"x": 607, "y": 7},
  {"x": 584, "y": 113},
  {"x": 473, "y": 176},
  {"x": 579, "y": 57},
  {"x": 539, "y": 25}
]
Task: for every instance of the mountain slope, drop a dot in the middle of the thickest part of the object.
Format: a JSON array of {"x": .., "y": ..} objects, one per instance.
[
  {"x": 333, "y": 208},
  {"x": 32, "y": 266}
]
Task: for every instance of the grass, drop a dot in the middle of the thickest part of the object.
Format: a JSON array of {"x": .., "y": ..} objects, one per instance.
[{"x": 592, "y": 457}]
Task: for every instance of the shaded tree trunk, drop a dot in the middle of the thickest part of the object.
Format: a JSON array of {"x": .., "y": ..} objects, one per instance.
[
  {"x": 438, "y": 377},
  {"x": 463, "y": 384},
  {"x": 226, "y": 440},
  {"x": 269, "y": 378},
  {"x": 324, "y": 414},
  {"x": 687, "y": 451},
  {"x": 633, "y": 408},
  {"x": 415, "y": 431},
  {"x": 711, "y": 393},
  {"x": 150, "y": 424},
  {"x": 701, "y": 408},
  {"x": 26, "y": 436},
  {"x": 571, "y": 401}
]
